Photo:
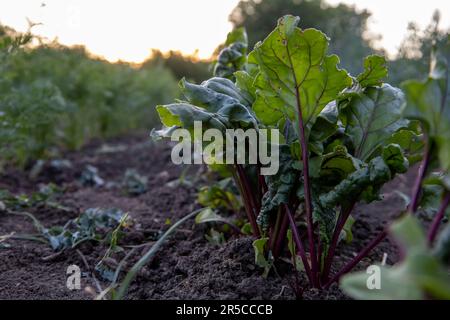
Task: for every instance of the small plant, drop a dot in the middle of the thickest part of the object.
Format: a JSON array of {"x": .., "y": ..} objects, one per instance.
[
  {"x": 90, "y": 177},
  {"x": 94, "y": 224},
  {"x": 45, "y": 197},
  {"x": 134, "y": 183},
  {"x": 219, "y": 196},
  {"x": 343, "y": 138}
]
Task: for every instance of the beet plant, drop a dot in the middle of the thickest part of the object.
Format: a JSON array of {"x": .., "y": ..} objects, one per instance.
[
  {"x": 342, "y": 138},
  {"x": 423, "y": 271}
]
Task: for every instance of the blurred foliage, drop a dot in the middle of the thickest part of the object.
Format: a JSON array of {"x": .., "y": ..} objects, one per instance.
[
  {"x": 52, "y": 96},
  {"x": 415, "y": 50},
  {"x": 343, "y": 24},
  {"x": 181, "y": 65}
]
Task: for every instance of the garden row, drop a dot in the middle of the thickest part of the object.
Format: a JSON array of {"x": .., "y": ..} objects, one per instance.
[{"x": 54, "y": 97}]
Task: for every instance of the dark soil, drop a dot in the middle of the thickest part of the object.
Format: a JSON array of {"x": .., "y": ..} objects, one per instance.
[{"x": 188, "y": 267}]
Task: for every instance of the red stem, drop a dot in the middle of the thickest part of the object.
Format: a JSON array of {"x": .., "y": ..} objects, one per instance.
[
  {"x": 418, "y": 183},
  {"x": 298, "y": 242},
  {"x": 305, "y": 171},
  {"x": 247, "y": 202},
  {"x": 437, "y": 219},
  {"x": 319, "y": 257},
  {"x": 362, "y": 254},
  {"x": 343, "y": 216},
  {"x": 247, "y": 188},
  {"x": 261, "y": 181},
  {"x": 281, "y": 235},
  {"x": 308, "y": 204}
]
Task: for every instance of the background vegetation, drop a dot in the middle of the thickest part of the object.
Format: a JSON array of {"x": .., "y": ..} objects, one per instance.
[{"x": 53, "y": 97}]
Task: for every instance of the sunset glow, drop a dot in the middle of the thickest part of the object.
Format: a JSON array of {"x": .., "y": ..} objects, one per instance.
[{"x": 128, "y": 30}]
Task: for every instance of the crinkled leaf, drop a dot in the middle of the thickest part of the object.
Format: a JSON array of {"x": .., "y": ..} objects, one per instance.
[
  {"x": 217, "y": 103},
  {"x": 376, "y": 173},
  {"x": 212, "y": 93},
  {"x": 393, "y": 156},
  {"x": 411, "y": 143},
  {"x": 335, "y": 166},
  {"x": 234, "y": 56},
  {"x": 279, "y": 187},
  {"x": 295, "y": 72}
]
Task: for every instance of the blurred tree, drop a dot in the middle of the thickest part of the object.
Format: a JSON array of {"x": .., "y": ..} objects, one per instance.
[
  {"x": 181, "y": 65},
  {"x": 414, "y": 53},
  {"x": 346, "y": 26}
]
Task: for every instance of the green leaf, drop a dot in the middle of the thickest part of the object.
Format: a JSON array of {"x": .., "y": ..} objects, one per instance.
[
  {"x": 296, "y": 260},
  {"x": 217, "y": 103},
  {"x": 236, "y": 35},
  {"x": 295, "y": 72},
  {"x": 211, "y": 91},
  {"x": 279, "y": 187},
  {"x": 216, "y": 197},
  {"x": 90, "y": 177},
  {"x": 418, "y": 276},
  {"x": 442, "y": 249},
  {"x": 375, "y": 70},
  {"x": 244, "y": 82},
  {"x": 336, "y": 166},
  {"x": 324, "y": 127},
  {"x": 411, "y": 143},
  {"x": 215, "y": 237},
  {"x": 370, "y": 118},
  {"x": 393, "y": 156},
  {"x": 434, "y": 186},
  {"x": 427, "y": 102},
  {"x": 375, "y": 174},
  {"x": 346, "y": 233},
  {"x": 259, "y": 246},
  {"x": 233, "y": 57},
  {"x": 409, "y": 233},
  {"x": 134, "y": 183},
  {"x": 247, "y": 229},
  {"x": 208, "y": 215}
]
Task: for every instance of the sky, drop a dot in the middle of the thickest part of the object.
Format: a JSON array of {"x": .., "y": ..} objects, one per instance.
[{"x": 128, "y": 30}]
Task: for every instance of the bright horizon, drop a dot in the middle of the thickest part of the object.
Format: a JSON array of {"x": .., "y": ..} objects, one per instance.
[{"x": 128, "y": 30}]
